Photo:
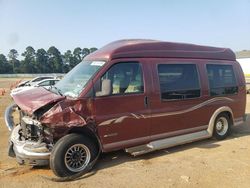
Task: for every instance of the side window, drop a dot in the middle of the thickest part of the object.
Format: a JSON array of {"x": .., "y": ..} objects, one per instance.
[
  {"x": 52, "y": 82},
  {"x": 123, "y": 78},
  {"x": 45, "y": 83},
  {"x": 40, "y": 78},
  {"x": 37, "y": 80},
  {"x": 221, "y": 80},
  {"x": 178, "y": 81}
]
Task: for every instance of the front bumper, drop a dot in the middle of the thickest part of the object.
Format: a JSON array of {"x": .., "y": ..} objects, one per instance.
[
  {"x": 8, "y": 116},
  {"x": 30, "y": 152}
]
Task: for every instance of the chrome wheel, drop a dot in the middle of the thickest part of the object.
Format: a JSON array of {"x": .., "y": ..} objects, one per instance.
[
  {"x": 77, "y": 157},
  {"x": 221, "y": 126}
]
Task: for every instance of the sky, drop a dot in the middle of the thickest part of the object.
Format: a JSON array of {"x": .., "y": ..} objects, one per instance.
[{"x": 91, "y": 23}]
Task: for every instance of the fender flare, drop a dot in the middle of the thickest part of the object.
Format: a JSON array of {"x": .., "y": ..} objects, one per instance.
[{"x": 210, "y": 128}]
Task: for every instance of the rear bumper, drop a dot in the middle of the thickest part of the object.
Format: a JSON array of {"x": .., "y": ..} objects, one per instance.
[
  {"x": 241, "y": 120},
  {"x": 245, "y": 118},
  {"x": 30, "y": 152}
]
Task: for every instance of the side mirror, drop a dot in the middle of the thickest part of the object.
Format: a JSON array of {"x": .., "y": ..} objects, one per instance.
[{"x": 106, "y": 88}]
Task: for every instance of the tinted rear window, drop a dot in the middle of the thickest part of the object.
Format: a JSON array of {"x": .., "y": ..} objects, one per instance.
[
  {"x": 222, "y": 80},
  {"x": 178, "y": 81}
]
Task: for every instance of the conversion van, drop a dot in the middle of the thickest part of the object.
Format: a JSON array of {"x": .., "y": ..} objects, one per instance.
[{"x": 136, "y": 95}]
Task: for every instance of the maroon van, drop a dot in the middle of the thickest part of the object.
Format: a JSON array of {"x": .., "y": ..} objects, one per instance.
[{"x": 136, "y": 95}]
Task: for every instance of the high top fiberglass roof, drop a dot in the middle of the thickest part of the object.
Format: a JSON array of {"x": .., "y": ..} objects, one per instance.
[{"x": 140, "y": 48}]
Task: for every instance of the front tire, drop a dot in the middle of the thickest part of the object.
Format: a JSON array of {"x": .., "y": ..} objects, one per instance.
[
  {"x": 222, "y": 127},
  {"x": 72, "y": 154}
]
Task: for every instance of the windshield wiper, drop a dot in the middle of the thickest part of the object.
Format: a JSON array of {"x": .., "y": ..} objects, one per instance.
[{"x": 57, "y": 90}]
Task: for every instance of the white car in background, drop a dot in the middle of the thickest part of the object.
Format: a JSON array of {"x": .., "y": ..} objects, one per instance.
[
  {"x": 46, "y": 83},
  {"x": 34, "y": 81}
]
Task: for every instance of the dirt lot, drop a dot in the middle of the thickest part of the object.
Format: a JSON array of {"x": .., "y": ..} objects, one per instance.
[{"x": 207, "y": 163}]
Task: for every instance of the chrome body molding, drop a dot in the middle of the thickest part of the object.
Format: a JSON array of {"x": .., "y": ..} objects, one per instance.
[
  {"x": 167, "y": 142},
  {"x": 179, "y": 132},
  {"x": 177, "y": 140}
]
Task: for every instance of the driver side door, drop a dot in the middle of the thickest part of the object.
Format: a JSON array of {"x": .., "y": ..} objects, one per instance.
[{"x": 122, "y": 116}]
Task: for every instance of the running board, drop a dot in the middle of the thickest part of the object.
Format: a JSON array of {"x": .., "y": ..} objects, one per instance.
[{"x": 168, "y": 142}]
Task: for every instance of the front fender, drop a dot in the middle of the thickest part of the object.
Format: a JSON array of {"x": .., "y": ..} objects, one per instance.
[
  {"x": 68, "y": 113},
  {"x": 58, "y": 117}
]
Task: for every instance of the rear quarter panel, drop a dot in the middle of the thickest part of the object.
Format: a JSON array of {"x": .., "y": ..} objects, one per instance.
[{"x": 238, "y": 101}]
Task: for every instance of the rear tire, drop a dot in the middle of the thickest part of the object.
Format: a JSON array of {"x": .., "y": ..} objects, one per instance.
[
  {"x": 222, "y": 126},
  {"x": 72, "y": 154}
]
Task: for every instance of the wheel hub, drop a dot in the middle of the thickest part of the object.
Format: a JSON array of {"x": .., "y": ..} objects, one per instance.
[
  {"x": 222, "y": 126},
  {"x": 77, "y": 157},
  {"x": 219, "y": 126}
]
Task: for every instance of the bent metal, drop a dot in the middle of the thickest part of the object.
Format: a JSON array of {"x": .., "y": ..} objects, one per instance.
[{"x": 136, "y": 95}]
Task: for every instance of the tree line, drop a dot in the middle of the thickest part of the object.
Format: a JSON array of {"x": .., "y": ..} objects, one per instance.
[{"x": 42, "y": 61}]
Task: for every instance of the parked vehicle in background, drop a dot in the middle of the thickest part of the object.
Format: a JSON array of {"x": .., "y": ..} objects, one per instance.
[
  {"x": 46, "y": 83},
  {"x": 136, "y": 95},
  {"x": 34, "y": 81},
  {"x": 21, "y": 84}
]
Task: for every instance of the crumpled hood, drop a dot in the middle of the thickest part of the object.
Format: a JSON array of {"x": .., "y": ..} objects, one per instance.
[{"x": 31, "y": 100}]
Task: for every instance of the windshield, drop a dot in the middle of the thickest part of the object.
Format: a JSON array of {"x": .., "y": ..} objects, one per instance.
[{"x": 74, "y": 81}]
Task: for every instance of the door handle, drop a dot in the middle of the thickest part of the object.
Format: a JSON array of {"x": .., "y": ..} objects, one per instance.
[{"x": 146, "y": 102}]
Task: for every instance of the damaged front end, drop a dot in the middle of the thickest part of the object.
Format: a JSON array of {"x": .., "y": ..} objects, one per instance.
[
  {"x": 38, "y": 128},
  {"x": 30, "y": 142}
]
